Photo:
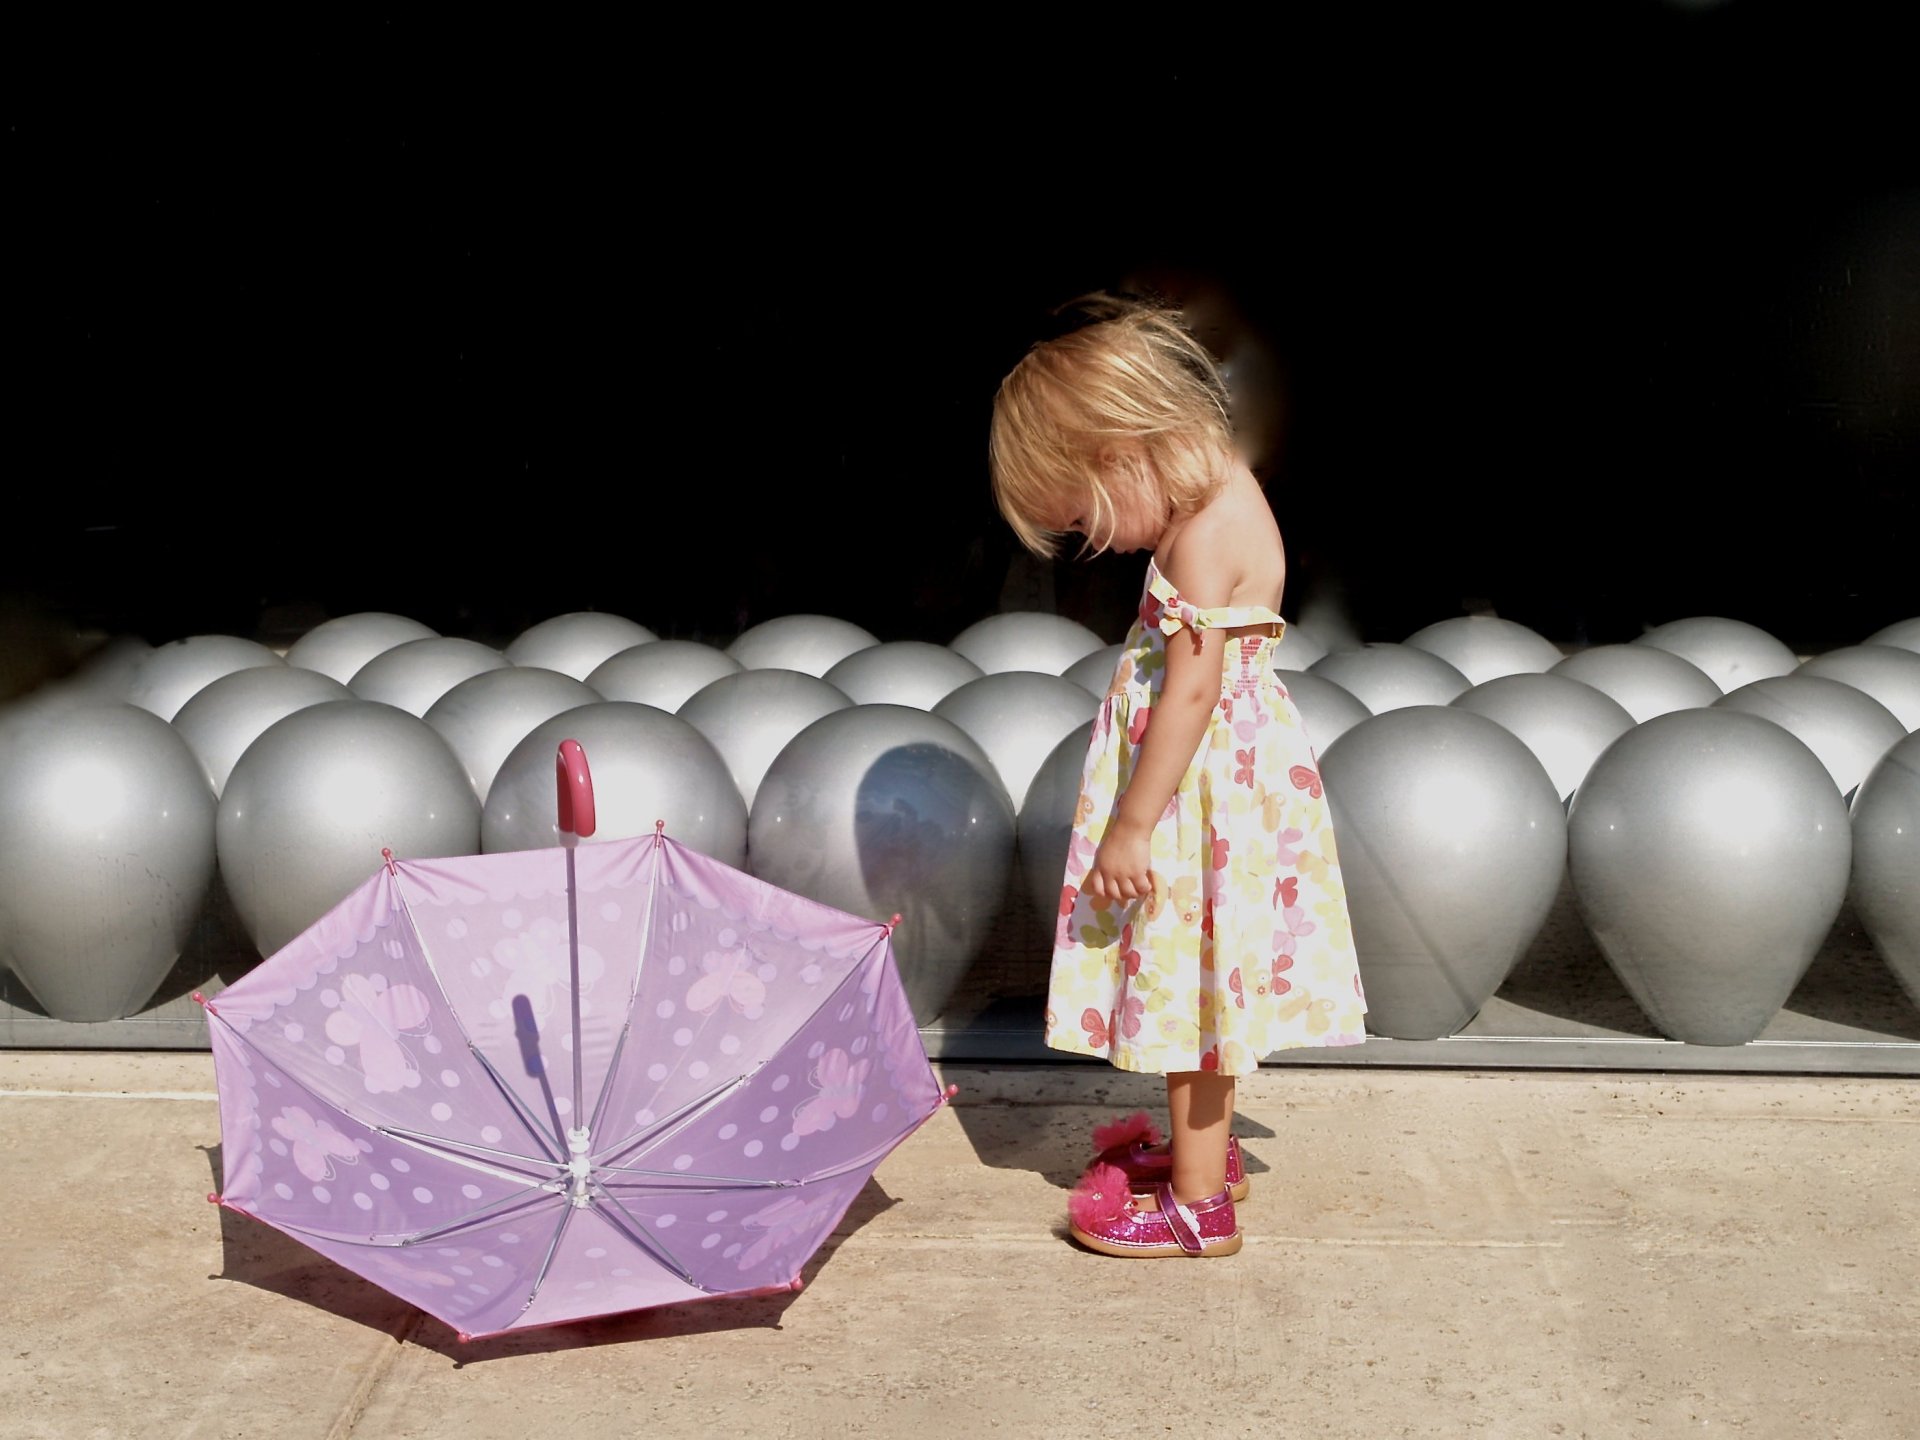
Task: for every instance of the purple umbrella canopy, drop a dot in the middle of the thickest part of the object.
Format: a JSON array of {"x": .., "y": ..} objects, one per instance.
[{"x": 535, "y": 1087}]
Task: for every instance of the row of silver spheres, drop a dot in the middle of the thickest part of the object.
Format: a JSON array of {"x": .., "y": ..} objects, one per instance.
[{"x": 1710, "y": 799}]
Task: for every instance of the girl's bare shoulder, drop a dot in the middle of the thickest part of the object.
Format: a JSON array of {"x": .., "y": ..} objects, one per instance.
[{"x": 1230, "y": 548}]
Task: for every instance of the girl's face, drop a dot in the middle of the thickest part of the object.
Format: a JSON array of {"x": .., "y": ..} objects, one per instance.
[{"x": 1139, "y": 512}]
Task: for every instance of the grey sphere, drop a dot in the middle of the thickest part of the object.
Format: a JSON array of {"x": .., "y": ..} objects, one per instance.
[
  {"x": 1485, "y": 647},
  {"x": 751, "y": 716},
  {"x": 1846, "y": 728},
  {"x": 576, "y": 643},
  {"x": 881, "y": 810},
  {"x": 486, "y": 715},
  {"x": 174, "y": 673},
  {"x": 1731, "y": 653},
  {"x": 1017, "y": 717},
  {"x": 811, "y": 644},
  {"x": 311, "y": 804},
  {"x": 902, "y": 672},
  {"x": 106, "y": 853},
  {"x": 108, "y": 672},
  {"x": 1888, "y": 673},
  {"x": 1905, "y": 634},
  {"x": 1885, "y": 882},
  {"x": 1386, "y": 677},
  {"x": 1327, "y": 708},
  {"x": 661, "y": 673},
  {"x": 340, "y": 647},
  {"x": 415, "y": 673},
  {"x": 1299, "y": 649},
  {"x": 1044, "y": 822},
  {"x": 1095, "y": 669},
  {"x": 1566, "y": 723},
  {"x": 1709, "y": 850},
  {"x": 1452, "y": 844},
  {"x": 227, "y": 716},
  {"x": 1645, "y": 680},
  {"x": 647, "y": 766},
  {"x": 1026, "y": 640}
]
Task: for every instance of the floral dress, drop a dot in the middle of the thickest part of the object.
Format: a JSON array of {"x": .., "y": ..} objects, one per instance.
[{"x": 1244, "y": 947}]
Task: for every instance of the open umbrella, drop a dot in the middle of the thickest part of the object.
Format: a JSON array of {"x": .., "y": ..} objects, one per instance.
[{"x": 538, "y": 1086}]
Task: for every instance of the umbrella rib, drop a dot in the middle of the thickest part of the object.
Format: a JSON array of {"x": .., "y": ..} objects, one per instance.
[
  {"x": 396, "y": 1242},
  {"x": 437, "y": 1145},
  {"x": 633, "y": 995},
  {"x": 678, "y": 1120},
  {"x": 524, "y": 1115},
  {"x": 483, "y": 1215},
  {"x": 646, "y": 1239},
  {"x": 546, "y": 1261}
]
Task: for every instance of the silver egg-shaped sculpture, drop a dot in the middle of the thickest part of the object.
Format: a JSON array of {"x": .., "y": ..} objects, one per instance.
[
  {"x": 919, "y": 673},
  {"x": 1299, "y": 648},
  {"x": 885, "y": 810},
  {"x": 811, "y": 644},
  {"x": 1645, "y": 680},
  {"x": 106, "y": 853},
  {"x": 1731, "y": 653},
  {"x": 1326, "y": 708},
  {"x": 1017, "y": 717},
  {"x": 312, "y": 803},
  {"x": 1846, "y": 728},
  {"x": 175, "y": 672},
  {"x": 1044, "y": 822},
  {"x": 1902, "y": 633},
  {"x": 751, "y": 716},
  {"x": 661, "y": 673},
  {"x": 341, "y": 646},
  {"x": 415, "y": 673},
  {"x": 1885, "y": 882},
  {"x": 1452, "y": 844},
  {"x": 648, "y": 767},
  {"x": 1095, "y": 670},
  {"x": 1485, "y": 647},
  {"x": 227, "y": 716},
  {"x": 1889, "y": 673},
  {"x": 1709, "y": 851},
  {"x": 486, "y": 715},
  {"x": 576, "y": 643},
  {"x": 1384, "y": 676},
  {"x": 1027, "y": 640},
  {"x": 1566, "y": 723}
]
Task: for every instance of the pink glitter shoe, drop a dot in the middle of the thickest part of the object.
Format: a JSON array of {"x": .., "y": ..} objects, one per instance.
[
  {"x": 1127, "y": 1143},
  {"x": 1106, "y": 1216}
]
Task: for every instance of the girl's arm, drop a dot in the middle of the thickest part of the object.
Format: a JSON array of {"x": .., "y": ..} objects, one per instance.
[{"x": 1188, "y": 694}]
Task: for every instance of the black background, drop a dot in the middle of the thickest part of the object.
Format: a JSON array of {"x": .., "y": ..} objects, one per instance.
[{"x": 1590, "y": 317}]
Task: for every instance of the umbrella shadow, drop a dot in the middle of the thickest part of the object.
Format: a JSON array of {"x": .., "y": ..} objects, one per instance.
[{"x": 255, "y": 1253}]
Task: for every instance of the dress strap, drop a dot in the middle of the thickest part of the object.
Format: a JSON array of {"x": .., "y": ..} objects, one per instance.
[{"x": 1177, "y": 613}]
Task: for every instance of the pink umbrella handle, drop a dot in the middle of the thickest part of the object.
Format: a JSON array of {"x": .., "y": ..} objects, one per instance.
[{"x": 576, "y": 789}]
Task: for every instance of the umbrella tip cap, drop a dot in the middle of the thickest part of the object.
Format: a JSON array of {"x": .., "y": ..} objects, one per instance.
[
  {"x": 952, "y": 1090},
  {"x": 213, "y": 1198}
]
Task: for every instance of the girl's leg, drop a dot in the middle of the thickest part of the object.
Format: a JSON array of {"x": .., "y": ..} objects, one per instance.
[{"x": 1200, "y": 1107}]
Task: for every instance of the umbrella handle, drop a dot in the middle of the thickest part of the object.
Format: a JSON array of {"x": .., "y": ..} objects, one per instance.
[{"x": 575, "y": 783}]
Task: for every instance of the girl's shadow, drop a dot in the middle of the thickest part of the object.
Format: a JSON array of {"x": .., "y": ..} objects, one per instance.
[{"x": 254, "y": 1253}]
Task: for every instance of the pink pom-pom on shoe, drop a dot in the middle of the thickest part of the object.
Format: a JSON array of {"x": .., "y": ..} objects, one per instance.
[
  {"x": 1101, "y": 1195},
  {"x": 1125, "y": 1132}
]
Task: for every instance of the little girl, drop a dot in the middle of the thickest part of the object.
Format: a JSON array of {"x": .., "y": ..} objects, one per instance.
[{"x": 1203, "y": 924}]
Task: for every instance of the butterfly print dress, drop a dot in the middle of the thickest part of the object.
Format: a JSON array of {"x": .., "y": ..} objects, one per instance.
[{"x": 1244, "y": 947}]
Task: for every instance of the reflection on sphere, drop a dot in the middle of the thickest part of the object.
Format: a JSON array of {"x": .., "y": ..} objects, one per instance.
[
  {"x": 174, "y": 673},
  {"x": 902, "y": 672},
  {"x": 1731, "y": 653},
  {"x": 1026, "y": 640},
  {"x": 1645, "y": 680},
  {"x": 1846, "y": 728},
  {"x": 647, "y": 765},
  {"x": 1386, "y": 677},
  {"x": 414, "y": 674},
  {"x": 577, "y": 643},
  {"x": 661, "y": 673},
  {"x": 340, "y": 647},
  {"x": 1485, "y": 647},
  {"x": 486, "y": 715}
]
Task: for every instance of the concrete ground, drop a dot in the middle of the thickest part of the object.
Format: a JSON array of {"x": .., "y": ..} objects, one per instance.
[{"x": 1430, "y": 1253}]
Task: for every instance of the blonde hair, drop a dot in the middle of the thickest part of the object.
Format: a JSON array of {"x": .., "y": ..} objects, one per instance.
[{"x": 1131, "y": 394}]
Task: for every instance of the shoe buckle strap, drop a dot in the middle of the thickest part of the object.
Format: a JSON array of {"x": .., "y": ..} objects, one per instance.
[{"x": 1181, "y": 1220}]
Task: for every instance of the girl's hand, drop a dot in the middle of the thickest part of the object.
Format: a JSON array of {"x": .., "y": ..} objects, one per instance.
[{"x": 1120, "y": 866}]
